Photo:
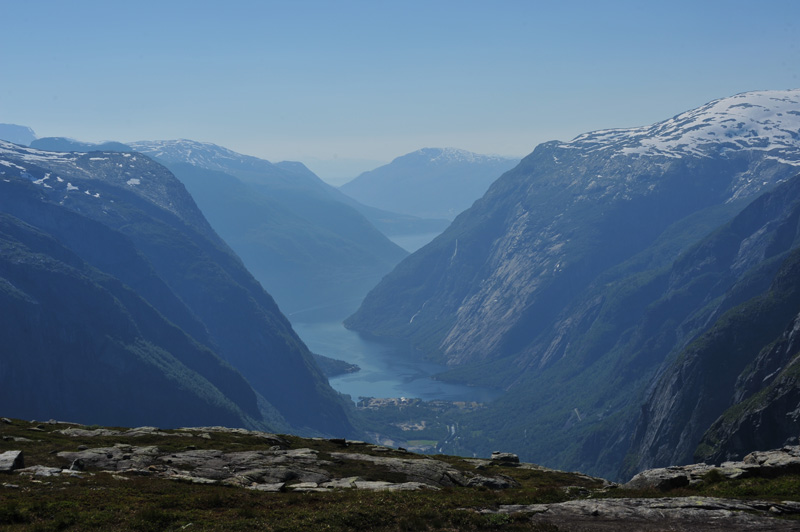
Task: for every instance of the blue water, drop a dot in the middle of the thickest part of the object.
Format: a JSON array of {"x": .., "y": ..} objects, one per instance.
[
  {"x": 388, "y": 368},
  {"x": 411, "y": 243}
]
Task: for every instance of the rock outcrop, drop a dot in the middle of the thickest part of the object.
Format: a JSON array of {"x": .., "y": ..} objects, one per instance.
[
  {"x": 276, "y": 468},
  {"x": 785, "y": 461},
  {"x": 690, "y": 514},
  {"x": 11, "y": 460}
]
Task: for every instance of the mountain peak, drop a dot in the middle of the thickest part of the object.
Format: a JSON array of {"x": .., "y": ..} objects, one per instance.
[
  {"x": 766, "y": 121},
  {"x": 202, "y": 154},
  {"x": 450, "y": 156},
  {"x": 17, "y": 134}
]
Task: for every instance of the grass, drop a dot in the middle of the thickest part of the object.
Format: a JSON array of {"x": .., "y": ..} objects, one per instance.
[{"x": 103, "y": 501}]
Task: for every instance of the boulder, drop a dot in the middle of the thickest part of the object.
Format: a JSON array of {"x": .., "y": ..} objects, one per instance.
[
  {"x": 785, "y": 461},
  {"x": 504, "y": 458},
  {"x": 658, "y": 514},
  {"x": 11, "y": 460}
]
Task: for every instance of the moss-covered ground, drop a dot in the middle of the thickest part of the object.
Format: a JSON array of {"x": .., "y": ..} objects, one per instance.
[{"x": 105, "y": 501}]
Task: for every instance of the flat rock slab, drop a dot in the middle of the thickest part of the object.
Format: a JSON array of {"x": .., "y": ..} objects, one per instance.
[
  {"x": 773, "y": 463},
  {"x": 11, "y": 460},
  {"x": 428, "y": 471},
  {"x": 705, "y": 514}
]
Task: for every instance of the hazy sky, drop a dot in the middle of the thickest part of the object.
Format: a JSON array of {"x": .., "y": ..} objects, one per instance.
[{"x": 347, "y": 85}]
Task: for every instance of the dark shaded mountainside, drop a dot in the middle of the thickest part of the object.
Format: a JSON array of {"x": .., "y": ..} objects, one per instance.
[
  {"x": 122, "y": 305},
  {"x": 585, "y": 274},
  {"x": 430, "y": 183}
]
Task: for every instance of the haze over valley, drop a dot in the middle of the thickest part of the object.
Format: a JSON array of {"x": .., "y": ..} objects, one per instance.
[{"x": 569, "y": 262}]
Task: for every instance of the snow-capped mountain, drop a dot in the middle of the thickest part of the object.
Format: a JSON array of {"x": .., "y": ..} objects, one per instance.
[
  {"x": 766, "y": 121},
  {"x": 202, "y": 154},
  {"x": 431, "y": 182},
  {"x": 543, "y": 286},
  {"x": 70, "y": 173}
]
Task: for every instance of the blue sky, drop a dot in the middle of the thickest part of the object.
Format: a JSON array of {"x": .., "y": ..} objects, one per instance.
[{"x": 345, "y": 86}]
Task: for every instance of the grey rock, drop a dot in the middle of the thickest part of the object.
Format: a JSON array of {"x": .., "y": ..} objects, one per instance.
[
  {"x": 40, "y": 471},
  {"x": 661, "y": 479},
  {"x": 77, "y": 432},
  {"x": 306, "y": 486},
  {"x": 773, "y": 463},
  {"x": 275, "y": 469},
  {"x": 496, "y": 483},
  {"x": 194, "y": 480},
  {"x": 272, "y": 488},
  {"x": 776, "y": 462},
  {"x": 389, "y": 486},
  {"x": 677, "y": 514},
  {"x": 205, "y": 432},
  {"x": 426, "y": 471},
  {"x": 505, "y": 458},
  {"x": 11, "y": 460},
  {"x": 117, "y": 458}
]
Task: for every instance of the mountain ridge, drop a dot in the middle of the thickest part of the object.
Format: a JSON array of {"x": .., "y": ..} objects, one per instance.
[
  {"x": 430, "y": 182},
  {"x": 555, "y": 284},
  {"x": 152, "y": 214}
]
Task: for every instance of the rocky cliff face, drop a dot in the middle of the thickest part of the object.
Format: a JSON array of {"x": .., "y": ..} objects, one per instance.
[
  {"x": 765, "y": 406},
  {"x": 496, "y": 279},
  {"x": 574, "y": 278},
  {"x": 752, "y": 266},
  {"x": 129, "y": 217}
]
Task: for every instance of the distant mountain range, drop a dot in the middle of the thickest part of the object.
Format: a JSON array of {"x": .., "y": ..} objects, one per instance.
[
  {"x": 429, "y": 183},
  {"x": 122, "y": 305},
  {"x": 585, "y": 283},
  {"x": 17, "y": 134},
  {"x": 305, "y": 246},
  {"x": 312, "y": 247},
  {"x": 66, "y": 144}
]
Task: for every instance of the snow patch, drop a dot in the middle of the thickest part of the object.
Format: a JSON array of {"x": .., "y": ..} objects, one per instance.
[{"x": 767, "y": 121}]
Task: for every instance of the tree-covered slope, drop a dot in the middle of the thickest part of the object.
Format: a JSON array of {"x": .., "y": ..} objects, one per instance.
[
  {"x": 726, "y": 364},
  {"x": 78, "y": 344}
]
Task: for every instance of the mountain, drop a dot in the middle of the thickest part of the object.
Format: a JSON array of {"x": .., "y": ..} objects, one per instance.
[
  {"x": 556, "y": 284},
  {"x": 289, "y": 178},
  {"x": 65, "y": 144},
  {"x": 429, "y": 183},
  {"x": 746, "y": 355},
  {"x": 121, "y": 283},
  {"x": 307, "y": 248},
  {"x": 17, "y": 134}
]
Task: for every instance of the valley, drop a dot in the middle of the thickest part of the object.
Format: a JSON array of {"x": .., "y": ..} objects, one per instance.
[{"x": 624, "y": 301}]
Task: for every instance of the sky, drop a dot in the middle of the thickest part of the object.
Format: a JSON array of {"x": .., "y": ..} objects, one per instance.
[{"x": 345, "y": 86}]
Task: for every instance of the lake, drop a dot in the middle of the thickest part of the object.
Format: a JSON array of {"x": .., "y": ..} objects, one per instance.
[
  {"x": 388, "y": 368},
  {"x": 411, "y": 243}
]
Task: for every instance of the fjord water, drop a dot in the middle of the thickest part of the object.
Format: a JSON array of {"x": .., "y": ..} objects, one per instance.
[
  {"x": 388, "y": 368},
  {"x": 411, "y": 243}
]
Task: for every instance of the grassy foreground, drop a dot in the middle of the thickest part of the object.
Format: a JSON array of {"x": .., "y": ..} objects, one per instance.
[{"x": 114, "y": 501}]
